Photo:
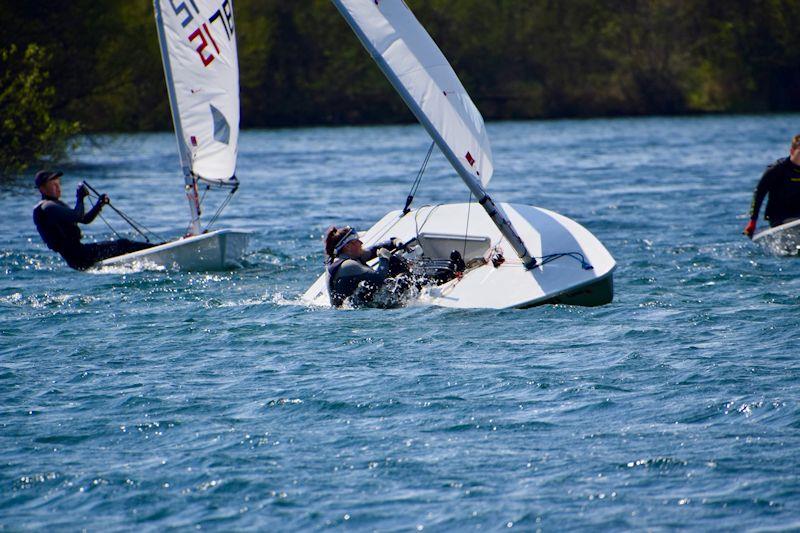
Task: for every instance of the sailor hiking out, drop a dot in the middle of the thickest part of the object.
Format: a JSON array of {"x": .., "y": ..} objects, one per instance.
[
  {"x": 781, "y": 184},
  {"x": 351, "y": 279},
  {"x": 57, "y": 224}
]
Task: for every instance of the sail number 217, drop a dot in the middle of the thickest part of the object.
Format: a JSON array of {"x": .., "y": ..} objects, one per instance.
[{"x": 201, "y": 36}]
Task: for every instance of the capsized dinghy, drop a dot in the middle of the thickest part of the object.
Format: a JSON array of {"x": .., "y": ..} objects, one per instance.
[
  {"x": 198, "y": 48},
  {"x": 558, "y": 261}
]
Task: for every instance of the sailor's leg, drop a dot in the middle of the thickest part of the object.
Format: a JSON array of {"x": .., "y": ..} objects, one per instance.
[
  {"x": 80, "y": 258},
  {"x": 133, "y": 246},
  {"x": 103, "y": 250}
]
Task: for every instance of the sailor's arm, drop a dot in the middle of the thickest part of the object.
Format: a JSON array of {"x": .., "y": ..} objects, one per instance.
[
  {"x": 359, "y": 272},
  {"x": 93, "y": 212},
  {"x": 372, "y": 252},
  {"x": 760, "y": 192},
  {"x": 82, "y": 193}
]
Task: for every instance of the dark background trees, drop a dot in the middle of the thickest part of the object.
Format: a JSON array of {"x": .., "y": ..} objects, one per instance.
[{"x": 300, "y": 64}]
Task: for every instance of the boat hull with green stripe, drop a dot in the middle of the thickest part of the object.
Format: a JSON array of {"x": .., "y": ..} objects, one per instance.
[{"x": 573, "y": 266}]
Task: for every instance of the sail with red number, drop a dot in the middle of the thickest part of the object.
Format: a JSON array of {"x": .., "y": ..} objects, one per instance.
[
  {"x": 198, "y": 47},
  {"x": 201, "y": 67}
]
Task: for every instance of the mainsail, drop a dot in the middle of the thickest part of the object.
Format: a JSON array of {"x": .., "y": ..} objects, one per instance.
[
  {"x": 427, "y": 83},
  {"x": 198, "y": 47},
  {"x": 425, "y": 80}
]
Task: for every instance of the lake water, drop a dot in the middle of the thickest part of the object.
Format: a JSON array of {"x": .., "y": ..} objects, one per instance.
[{"x": 152, "y": 400}]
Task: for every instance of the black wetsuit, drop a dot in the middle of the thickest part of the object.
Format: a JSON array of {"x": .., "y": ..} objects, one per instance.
[
  {"x": 352, "y": 278},
  {"x": 58, "y": 226},
  {"x": 781, "y": 181}
]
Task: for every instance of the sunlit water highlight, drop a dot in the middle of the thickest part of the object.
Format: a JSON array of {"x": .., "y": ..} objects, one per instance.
[{"x": 143, "y": 398}]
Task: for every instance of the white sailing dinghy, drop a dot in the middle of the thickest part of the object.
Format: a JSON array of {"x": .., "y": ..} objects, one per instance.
[
  {"x": 198, "y": 48},
  {"x": 557, "y": 260},
  {"x": 780, "y": 240}
]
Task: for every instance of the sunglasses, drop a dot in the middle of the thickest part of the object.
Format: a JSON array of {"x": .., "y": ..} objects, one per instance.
[{"x": 350, "y": 236}]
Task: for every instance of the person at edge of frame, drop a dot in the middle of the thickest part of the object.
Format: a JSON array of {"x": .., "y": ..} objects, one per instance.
[
  {"x": 781, "y": 183},
  {"x": 57, "y": 224}
]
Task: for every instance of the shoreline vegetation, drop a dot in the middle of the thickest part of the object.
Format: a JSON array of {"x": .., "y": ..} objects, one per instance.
[{"x": 93, "y": 67}]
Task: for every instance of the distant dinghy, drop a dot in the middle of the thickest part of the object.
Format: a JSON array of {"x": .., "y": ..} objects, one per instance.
[
  {"x": 557, "y": 260},
  {"x": 201, "y": 67},
  {"x": 780, "y": 240}
]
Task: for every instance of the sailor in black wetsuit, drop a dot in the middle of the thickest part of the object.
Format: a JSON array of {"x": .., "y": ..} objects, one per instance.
[
  {"x": 57, "y": 224},
  {"x": 349, "y": 276},
  {"x": 781, "y": 181}
]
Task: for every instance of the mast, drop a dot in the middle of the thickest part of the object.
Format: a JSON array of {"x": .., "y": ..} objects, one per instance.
[
  {"x": 384, "y": 27},
  {"x": 190, "y": 183},
  {"x": 201, "y": 69},
  {"x": 494, "y": 211}
]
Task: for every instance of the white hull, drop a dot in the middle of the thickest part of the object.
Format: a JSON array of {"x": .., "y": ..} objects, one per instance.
[
  {"x": 216, "y": 250},
  {"x": 443, "y": 228},
  {"x": 780, "y": 240}
]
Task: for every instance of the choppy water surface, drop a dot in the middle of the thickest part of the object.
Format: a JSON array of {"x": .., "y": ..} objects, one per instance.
[{"x": 161, "y": 399}]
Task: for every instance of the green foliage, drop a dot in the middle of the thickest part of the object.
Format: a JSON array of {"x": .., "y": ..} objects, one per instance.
[
  {"x": 28, "y": 131},
  {"x": 300, "y": 63}
]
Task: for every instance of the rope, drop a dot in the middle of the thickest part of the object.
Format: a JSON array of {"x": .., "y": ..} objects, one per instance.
[
  {"x": 222, "y": 206},
  {"x": 418, "y": 180},
  {"x": 466, "y": 230},
  {"x": 380, "y": 234},
  {"x": 109, "y": 225},
  {"x": 417, "y": 226},
  {"x": 132, "y": 223},
  {"x": 577, "y": 256}
]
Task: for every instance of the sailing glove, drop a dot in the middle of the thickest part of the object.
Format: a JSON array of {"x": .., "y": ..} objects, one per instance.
[
  {"x": 82, "y": 191},
  {"x": 384, "y": 253},
  {"x": 750, "y": 228},
  {"x": 392, "y": 244}
]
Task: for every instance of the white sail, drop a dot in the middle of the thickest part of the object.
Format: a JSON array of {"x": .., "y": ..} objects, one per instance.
[
  {"x": 424, "y": 78},
  {"x": 198, "y": 47}
]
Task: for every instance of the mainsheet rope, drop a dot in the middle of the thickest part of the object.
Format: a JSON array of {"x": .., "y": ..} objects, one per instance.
[
  {"x": 418, "y": 180},
  {"x": 138, "y": 227}
]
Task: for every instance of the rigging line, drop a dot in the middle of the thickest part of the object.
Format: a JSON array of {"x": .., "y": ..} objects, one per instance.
[
  {"x": 138, "y": 227},
  {"x": 383, "y": 231},
  {"x": 417, "y": 226},
  {"x": 187, "y": 231},
  {"x": 130, "y": 222},
  {"x": 466, "y": 230},
  {"x": 577, "y": 256},
  {"x": 200, "y": 202},
  {"x": 392, "y": 223},
  {"x": 222, "y": 206},
  {"x": 418, "y": 180},
  {"x": 107, "y": 223}
]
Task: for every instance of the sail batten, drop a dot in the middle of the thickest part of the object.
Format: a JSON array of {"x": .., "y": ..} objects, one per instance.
[
  {"x": 423, "y": 77},
  {"x": 198, "y": 48}
]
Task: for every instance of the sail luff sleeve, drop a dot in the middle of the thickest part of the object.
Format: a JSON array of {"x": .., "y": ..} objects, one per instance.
[
  {"x": 201, "y": 67},
  {"x": 163, "y": 42}
]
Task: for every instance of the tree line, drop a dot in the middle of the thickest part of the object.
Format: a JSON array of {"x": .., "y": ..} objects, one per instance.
[{"x": 95, "y": 66}]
